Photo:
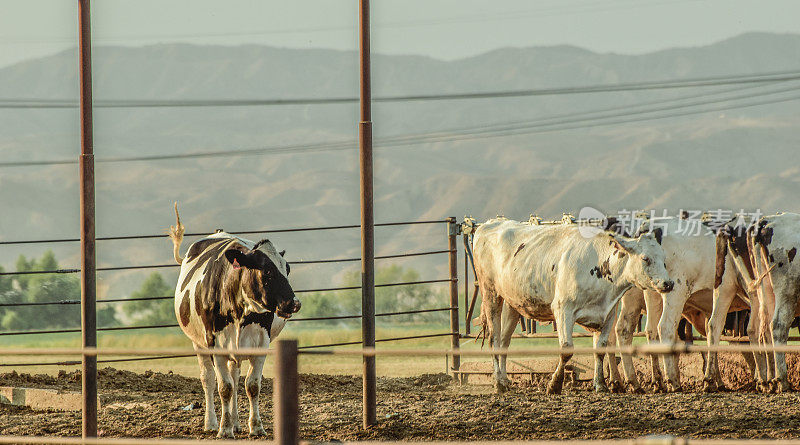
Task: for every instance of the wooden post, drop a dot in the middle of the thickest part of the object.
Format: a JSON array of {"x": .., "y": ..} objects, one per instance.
[{"x": 285, "y": 394}]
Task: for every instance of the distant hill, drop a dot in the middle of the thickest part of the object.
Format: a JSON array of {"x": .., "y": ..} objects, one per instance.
[{"x": 730, "y": 159}]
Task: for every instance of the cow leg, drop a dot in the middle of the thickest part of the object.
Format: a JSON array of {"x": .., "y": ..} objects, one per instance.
[
  {"x": 667, "y": 330},
  {"x": 601, "y": 341},
  {"x": 253, "y": 389},
  {"x": 235, "y": 369},
  {"x": 225, "y": 387},
  {"x": 614, "y": 380},
  {"x": 754, "y": 335},
  {"x": 509, "y": 320},
  {"x": 565, "y": 320},
  {"x": 781, "y": 321},
  {"x": 654, "y": 308},
  {"x": 492, "y": 317},
  {"x": 209, "y": 382},
  {"x": 630, "y": 310},
  {"x": 721, "y": 302}
]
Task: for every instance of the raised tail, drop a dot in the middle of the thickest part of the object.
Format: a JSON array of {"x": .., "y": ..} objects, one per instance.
[{"x": 176, "y": 234}]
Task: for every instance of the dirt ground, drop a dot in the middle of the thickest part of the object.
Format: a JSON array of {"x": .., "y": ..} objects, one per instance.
[{"x": 430, "y": 407}]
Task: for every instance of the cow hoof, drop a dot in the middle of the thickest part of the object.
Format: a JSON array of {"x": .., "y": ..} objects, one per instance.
[
  {"x": 502, "y": 386},
  {"x": 634, "y": 389},
  {"x": 601, "y": 388},
  {"x": 211, "y": 426},
  {"x": 656, "y": 388},
  {"x": 673, "y": 388},
  {"x": 222, "y": 434},
  {"x": 237, "y": 429},
  {"x": 258, "y": 431},
  {"x": 781, "y": 386},
  {"x": 616, "y": 387},
  {"x": 553, "y": 388},
  {"x": 709, "y": 386},
  {"x": 762, "y": 387}
]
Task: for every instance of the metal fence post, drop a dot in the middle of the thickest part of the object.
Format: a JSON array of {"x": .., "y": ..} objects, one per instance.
[
  {"x": 452, "y": 233},
  {"x": 87, "y": 204},
  {"x": 466, "y": 287},
  {"x": 370, "y": 382},
  {"x": 285, "y": 394}
]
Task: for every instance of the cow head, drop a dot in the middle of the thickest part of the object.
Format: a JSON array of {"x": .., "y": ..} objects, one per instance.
[
  {"x": 264, "y": 278},
  {"x": 646, "y": 267}
]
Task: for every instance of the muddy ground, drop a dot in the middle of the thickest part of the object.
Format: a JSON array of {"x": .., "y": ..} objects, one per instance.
[{"x": 429, "y": 407}]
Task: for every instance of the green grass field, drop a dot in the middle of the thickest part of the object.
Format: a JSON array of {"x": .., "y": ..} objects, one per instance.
[{"x": 390, "y": 366}]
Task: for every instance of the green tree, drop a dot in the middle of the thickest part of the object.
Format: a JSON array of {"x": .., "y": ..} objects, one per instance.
[
  {"x": 396, "y": 298},
  {"x": 151, "y": 311},
  {"x": 45, "y": 288}
]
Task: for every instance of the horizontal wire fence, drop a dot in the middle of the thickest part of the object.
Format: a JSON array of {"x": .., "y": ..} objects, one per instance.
[{"x": 175, "y": 325}]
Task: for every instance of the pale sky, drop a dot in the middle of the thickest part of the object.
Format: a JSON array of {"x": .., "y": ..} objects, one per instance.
[{"x": 445, "y": 29}]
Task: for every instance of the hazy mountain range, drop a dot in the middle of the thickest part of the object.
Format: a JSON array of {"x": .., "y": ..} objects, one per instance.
[{"x": 730, "y": 158}]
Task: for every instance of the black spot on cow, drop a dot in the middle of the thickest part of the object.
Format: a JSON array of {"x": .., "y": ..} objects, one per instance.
[
  {"x": 771, "y": 258},
  {"x": 553, "y": 268},
  {"x": 602, "y": 271},
  {"x": 791, "y": 253},
  {"x": 612, "y": 224},
  {"x": 213, "y": 250},
  {"x": 184, "y": 309},
  {"x": 780, "y": 263},
  {"x": 264, "y": 320},
  {"x": 521, "y": 246},
  {"x": 658, "y": 232}
]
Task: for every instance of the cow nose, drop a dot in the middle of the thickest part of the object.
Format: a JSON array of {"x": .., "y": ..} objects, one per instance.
[{"x": 668, "y": 286}]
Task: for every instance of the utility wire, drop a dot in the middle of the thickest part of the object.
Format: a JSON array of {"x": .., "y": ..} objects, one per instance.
[
  {"x": 35, "y": 103},
  {"x": 488, "y": 131}
]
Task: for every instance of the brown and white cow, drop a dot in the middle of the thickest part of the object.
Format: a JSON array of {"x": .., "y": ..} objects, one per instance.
[
  {"x": 558, "y": 272},
  {"x": 765, "y": 257},
  {"x": 228, "y": 293}
]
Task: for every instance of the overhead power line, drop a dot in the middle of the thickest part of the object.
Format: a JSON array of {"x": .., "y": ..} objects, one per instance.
[
  {"x": 37, "y": 103},
  {"x": 589, "y": 119}
]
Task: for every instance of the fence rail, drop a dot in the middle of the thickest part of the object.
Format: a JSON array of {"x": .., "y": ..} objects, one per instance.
[
  {"x": 241, "y": 232},
  {"x": 158, "y": 266},
  {"x": 643, "y": 349}
]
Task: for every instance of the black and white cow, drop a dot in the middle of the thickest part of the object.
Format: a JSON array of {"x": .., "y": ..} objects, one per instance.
[{"x": 228, "y": 293}]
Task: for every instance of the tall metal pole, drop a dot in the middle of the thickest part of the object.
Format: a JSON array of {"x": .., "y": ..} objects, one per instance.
[
  {"x": 367, "y": 221},
  {"x": 452, "y": 233},
  {"x": 88, "y": 283},
  {"x": 285, "y": 403}
]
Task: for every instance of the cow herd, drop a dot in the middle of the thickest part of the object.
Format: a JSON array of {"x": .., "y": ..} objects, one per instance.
[
  {"x": 235, "y": 293},
  {"x": 603, "y": 280}
]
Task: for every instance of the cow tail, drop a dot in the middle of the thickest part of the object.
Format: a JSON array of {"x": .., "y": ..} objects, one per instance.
[
  {"x": 176, "y": 234},
  {"x": 722, "y": 252}
]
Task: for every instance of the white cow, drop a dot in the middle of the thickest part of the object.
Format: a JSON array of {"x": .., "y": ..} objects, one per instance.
[
  {"x": 691, "y": 262},
  {"x": 764, "y": 258},
  {"x": 228, "y": 293},
  {"x": 557, "y": 272}
]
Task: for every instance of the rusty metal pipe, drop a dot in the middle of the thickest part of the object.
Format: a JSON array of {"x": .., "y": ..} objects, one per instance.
[
  {"x": 367, "y": 220},
  {"x": 285, "y": 392},
  {"x": 452, "y": 233},
  {"x": 87, "y": 212}
]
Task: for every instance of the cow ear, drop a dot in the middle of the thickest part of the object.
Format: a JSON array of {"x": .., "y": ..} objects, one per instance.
[
  {"x": 619, "y": 243},
  {"x": 237, "y": 258}
]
